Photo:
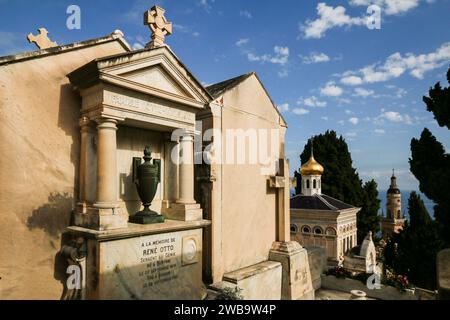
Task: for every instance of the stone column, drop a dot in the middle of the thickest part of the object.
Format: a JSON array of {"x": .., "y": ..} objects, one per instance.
[
  {"x": 185, "y": 208},
  {"x": 81, "y": 217},
  {"x": 84, "y": 125},
  {"x": 106, "y": 164},
  {"x": 107, "y": 214},
  {"x": 186, "y": 170},
  {"x": 171, "y": 158}
]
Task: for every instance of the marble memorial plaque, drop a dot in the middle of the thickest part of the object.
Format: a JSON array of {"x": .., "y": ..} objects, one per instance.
[{"x": 161, "y": 266}]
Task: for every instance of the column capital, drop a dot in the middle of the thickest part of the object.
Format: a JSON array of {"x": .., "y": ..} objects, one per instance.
[
  {"x": 167, "y": 136},
  {"x": 187, "y": 137},
  {"x": 85, "y": 124},
  {"x": 106, "y": 123},
  {"x": 84, "y": 121}
]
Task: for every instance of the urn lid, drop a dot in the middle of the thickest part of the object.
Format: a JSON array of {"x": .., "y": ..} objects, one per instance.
[{"x": 147, "y": 154}]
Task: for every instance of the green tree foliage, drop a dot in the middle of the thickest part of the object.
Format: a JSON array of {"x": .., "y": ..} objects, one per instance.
[
  {"x": 341, "y": 181},
  {"x": 412, "y": 252},
  {"x": 429, "y": 162},
  {"x": 368, "y": 218},
  {"x": 438, "y": 102}
]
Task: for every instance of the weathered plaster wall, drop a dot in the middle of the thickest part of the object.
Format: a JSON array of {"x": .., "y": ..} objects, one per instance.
[
  {"x": 248, "y": 204},
  {"x": 39, "y": 142}
]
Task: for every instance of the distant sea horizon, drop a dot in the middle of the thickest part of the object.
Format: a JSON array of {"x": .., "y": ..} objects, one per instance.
[{"x": 429, "y": 204}]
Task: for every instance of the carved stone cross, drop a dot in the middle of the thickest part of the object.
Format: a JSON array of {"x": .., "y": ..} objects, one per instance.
[
  {"x": 282, "y": 182},
  {"x": 159, "y": 25},
  {"x": 41, "y": 40}
]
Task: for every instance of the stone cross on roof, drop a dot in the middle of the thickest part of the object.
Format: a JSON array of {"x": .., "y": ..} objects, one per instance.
[
  {"x": 159, "y": 25},
  {"x": 41, "y": 40}
]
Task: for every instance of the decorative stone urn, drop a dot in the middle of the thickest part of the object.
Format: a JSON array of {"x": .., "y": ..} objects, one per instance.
[{"x": 146, "y": 177}]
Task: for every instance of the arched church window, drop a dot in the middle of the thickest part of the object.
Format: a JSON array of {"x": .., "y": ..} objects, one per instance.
[
  {"x": 307, "y": 183},
  {"x": 294, "y": 228},
  {"x": 318, "y": 230},
  {"x": 314, "y": 184},
  {"x": 306, "y": 229},
  {"x": 330, "y": 232}
]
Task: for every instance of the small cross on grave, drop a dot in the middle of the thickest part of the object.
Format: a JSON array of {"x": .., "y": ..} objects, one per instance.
[
  {"x": 41, "y": 40},
  {"x": 159, "y": 25}
]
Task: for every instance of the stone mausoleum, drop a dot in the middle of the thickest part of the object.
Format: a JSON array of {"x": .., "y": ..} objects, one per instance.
[{"x": 75, "y": 120}]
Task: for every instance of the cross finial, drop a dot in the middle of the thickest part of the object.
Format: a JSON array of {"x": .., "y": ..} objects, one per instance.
[
  {"x": 41, "y": 40},
  {"x": 159, "y": 25},
  {"x": 393, "y": 172},
  {"x": 312, "y": 147}
]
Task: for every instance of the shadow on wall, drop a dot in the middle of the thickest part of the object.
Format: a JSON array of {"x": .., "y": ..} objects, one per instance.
[
  {"x": 54, "y": 216},
  {"x": 68, "y": 118}
]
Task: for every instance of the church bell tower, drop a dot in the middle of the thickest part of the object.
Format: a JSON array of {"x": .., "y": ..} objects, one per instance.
[{"x": 393, "y": 222}]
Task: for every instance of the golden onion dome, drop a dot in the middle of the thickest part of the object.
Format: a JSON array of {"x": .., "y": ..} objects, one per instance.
[{"x": 311, "y": 168}]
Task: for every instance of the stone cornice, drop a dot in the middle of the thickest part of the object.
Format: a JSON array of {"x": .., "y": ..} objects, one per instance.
[{"x": 20, "y": 57}]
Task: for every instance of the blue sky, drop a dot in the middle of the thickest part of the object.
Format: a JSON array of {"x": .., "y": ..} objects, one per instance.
[{"x": 320, "y": 63}]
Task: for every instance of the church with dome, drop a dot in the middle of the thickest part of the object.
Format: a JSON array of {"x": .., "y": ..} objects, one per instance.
[{"x": 320, "y": 220}]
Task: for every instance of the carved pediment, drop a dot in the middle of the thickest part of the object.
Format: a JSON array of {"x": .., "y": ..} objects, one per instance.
[
  {"x": 157, "y": 72},
  {"x": 157, "y": 77}
]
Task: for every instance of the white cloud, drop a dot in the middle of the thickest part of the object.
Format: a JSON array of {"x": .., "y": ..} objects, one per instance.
[
  {"x": 137, "y": 46},
  {"x": 347, "y": 111},
  {"x": 324, "y": 118},
  {"x": 390, "y": 7},
  {"x": 393, "y": 116},
  {"x": 283, "y": 107},
  {"x": 315, "y": 57},
  {"x": 344, "y": 100},
  {"x": 361, "y": 92},
  {"x": 353, "y": 120},
  {"x": 245, "y": 14},
  {"x": 312, "y": 102},
  {"x": 329, "y": 17},
  {"x": 300, "y": 111},
  {"x": 206, "y": 4},
  {"x": 331, "y": 90},
  {"x": 283, "y": 73},
  {"x": 280, "y": 57},
  {"x": 242, "y": 42},
  {"x": 351, "y": 80},
  {"x": 400, "y": 93},
  {"x": 379, "y": 131},
  {"x": 186, "y": 30},
  {"x": 397, "y": 64},
  {"x": 341, "y": 122}
]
